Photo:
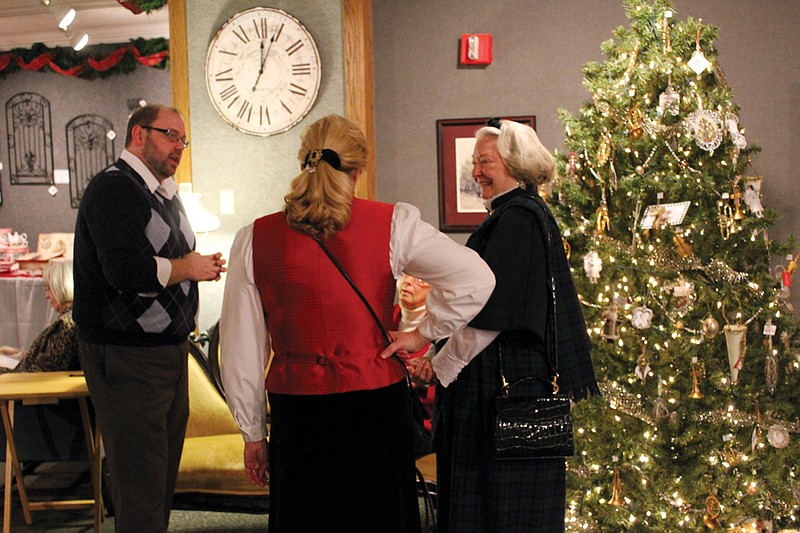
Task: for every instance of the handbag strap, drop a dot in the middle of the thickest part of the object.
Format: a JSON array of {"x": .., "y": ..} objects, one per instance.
[
  {"x": 551, "y": 337},
  {"x": 355, "y": 288}
]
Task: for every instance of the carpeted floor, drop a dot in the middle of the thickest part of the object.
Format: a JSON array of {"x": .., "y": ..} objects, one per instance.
[
  {"x": 71, "y": 480},
  {"x": 191, "y": 513}
]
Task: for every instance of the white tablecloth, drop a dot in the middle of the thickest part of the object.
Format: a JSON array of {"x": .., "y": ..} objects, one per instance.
[{"x": 24, "y": 310}]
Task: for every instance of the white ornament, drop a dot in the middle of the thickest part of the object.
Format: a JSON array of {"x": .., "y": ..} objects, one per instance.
[
  {"x": 778, "y": 436},
  {"x": 706, "y": 128},
  {"x": 592, "y": 264},
  {"x": 669, "y": 101},
  {"x": 698, "y": 63},
  {"x": 642, "y": 317},
  {"x": 753, "y": 202}
]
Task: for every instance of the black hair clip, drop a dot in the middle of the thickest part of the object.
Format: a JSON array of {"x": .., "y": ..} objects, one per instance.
[{"x": 494, "y": 122}]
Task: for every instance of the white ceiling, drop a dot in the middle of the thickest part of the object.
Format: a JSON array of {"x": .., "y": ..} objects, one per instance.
[{"x": 24, "y": 22}]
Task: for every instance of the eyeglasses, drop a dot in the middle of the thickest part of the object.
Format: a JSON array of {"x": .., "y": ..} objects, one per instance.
[{"x": 171, "y": 135}]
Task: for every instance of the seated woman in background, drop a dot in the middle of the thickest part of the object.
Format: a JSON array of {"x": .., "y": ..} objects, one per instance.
[{"x": 56, "y": 347}]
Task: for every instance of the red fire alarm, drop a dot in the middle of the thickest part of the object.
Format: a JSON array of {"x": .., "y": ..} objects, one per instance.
[{"x": 476, "y": 49}]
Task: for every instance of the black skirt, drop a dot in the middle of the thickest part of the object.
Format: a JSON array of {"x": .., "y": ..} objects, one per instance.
[{"x": 342, "y": 462}]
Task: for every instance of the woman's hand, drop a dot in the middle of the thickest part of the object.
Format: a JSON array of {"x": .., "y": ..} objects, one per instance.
[
  {"x": 421, "y": 370},
  {"x": 404, "y": 343},
  {"x": 256, "y": 462}
]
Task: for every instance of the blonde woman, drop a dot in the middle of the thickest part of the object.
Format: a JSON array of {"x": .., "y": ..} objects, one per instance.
[{"x": 339, "y": 456}]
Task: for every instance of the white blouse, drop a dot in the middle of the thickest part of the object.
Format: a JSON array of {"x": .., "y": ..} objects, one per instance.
[{"x": 460, "y": 280}]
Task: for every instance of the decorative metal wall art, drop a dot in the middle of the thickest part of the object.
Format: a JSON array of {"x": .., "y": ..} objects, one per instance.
[
  {"x": 90, "y": 149},
  {"x": 30, "y": 140}
]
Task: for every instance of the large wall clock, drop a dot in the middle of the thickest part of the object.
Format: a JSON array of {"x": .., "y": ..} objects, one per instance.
[{"x": 262, "y": 71}]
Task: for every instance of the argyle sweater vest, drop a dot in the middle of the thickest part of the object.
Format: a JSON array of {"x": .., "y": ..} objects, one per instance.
[
  {"x": 324, "y": 339},
  {"x": 119, "y": 316}
]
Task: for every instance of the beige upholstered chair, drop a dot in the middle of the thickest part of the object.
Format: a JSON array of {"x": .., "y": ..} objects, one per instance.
[{"x": 212, "y": 453}]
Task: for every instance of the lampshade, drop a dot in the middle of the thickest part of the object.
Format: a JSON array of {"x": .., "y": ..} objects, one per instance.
[{"x": 201, "y": 219}]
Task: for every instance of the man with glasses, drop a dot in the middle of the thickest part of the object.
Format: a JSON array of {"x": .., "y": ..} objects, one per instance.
[{"x": 136, "y": 298}]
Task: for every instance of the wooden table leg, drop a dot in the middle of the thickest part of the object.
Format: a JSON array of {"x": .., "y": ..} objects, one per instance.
[
  {"x": 12, "y": 464},
  {"x": 95, "y": 462}
]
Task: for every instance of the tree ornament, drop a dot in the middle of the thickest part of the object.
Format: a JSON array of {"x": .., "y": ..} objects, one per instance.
[
  {"x": 713, "y": 510},
  {"x": 706, "y": 128},
  {"x": 639, "y": 170},
  {"x": 609, "y": 317},
  {"x": 669, "y": 101},
  {"x": 684, "y": 248},
  {"x": 592, "y": 264},
  {"x": 603, "y": 150},
  {"x": 567, "y": 247},
  {"x": 778, "y": 436},
  {"x": 635, "y": 122},
  {"x": 751, "y": 525},
  {"x": 755, "y": 438},
  {"x": 736, "y": 344},
  {"x": 682, "y": 295},
  {"x": 572, "y": 167},
  {"x": 771, "y": 360},
  {"x": 642, "y": 317},
  {"x": 698, "y": 63},
  {"x": 616, "y": 486},
  {"x": 710, "y": 327},
  {"x": 603, "y": 222},
  {"x": 737, "y": 203},
  {"x": 727, "y": 225},
  {"x": 696, "y": 375},
  {"x": 643, "y": 365}
]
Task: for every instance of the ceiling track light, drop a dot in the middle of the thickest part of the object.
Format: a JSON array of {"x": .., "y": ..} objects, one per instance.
[
  {"x": 77, "y": 40},
  {"x": 64, "y": 15}
]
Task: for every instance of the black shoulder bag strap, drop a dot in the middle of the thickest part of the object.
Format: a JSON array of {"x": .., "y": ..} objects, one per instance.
[{"x": 339, "y": 266}]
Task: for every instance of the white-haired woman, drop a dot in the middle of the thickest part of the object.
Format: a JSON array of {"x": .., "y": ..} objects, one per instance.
[
  {"x": 340, "y": 455},
  {"x": 521, "y": 243},
  {"x": 56, "y": 347}
]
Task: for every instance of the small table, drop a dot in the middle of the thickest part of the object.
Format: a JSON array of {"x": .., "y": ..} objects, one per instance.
[{"x": 32, "y": 388}]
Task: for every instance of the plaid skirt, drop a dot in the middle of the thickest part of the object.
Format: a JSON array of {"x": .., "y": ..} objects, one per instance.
[
  {"x": 343, "y": 463},
  {"x": 477, "y": 493}
]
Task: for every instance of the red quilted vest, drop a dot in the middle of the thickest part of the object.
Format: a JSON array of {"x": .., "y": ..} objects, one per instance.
[{"x": 323, "y": 338}]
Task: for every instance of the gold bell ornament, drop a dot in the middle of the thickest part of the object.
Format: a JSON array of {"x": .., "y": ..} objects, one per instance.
[{"x": 616, "y": 484}]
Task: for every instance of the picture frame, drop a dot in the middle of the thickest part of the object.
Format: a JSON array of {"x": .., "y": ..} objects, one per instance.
[{"x": 460, "y": 206}]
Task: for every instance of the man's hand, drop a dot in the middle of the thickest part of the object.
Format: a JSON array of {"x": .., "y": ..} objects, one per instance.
[
  {"x": 256, "y": 462},
  {"x": 196, "y": 267}
]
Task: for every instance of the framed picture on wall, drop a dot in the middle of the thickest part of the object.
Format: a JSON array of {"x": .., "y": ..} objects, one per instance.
[{"x": 460, "y": 205}]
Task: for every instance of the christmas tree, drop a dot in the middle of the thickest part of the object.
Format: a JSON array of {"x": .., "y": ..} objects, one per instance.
[{"x": 684, "y": 293}]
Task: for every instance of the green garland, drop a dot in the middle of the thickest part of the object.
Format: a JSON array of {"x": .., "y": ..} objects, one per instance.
[
  {"x": 151, "y": 5},
  {"x": 66, "y": 58}
]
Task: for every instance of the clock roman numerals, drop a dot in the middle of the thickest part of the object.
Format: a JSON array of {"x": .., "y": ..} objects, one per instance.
[
  {"x": 301, "y": 69},
  {"x": 262, "y": 71},
  {"x": 297, "y": 45},
  {"x": 296, "y": 89},
  {"x": 221, "y": 76},
  {"x": 242, "y": 34}
]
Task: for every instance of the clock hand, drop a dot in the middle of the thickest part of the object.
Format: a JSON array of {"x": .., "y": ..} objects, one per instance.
[{"x": 263, "y": 60}]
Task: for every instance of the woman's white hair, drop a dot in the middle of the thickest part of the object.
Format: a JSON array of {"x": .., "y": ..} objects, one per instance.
[
  {"x": 522, "y": 152},
  {"x": 58, "y": 275}
]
